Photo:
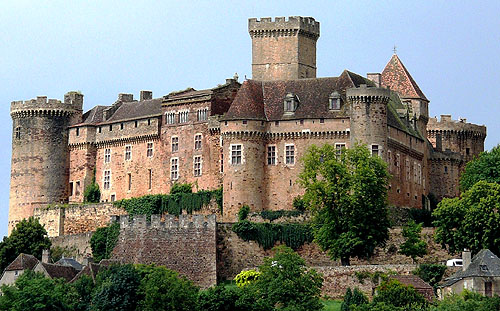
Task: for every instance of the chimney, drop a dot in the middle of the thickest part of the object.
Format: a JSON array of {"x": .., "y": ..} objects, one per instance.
[
  {"x": 145, "y": 95},
  {"x": 46, "y": 256},
  {"x": 445, "y": 117},
  {"x": 466, "y": 259},
  {"x": 375, "y": 78},
  {"x": 125, "y": 97}
]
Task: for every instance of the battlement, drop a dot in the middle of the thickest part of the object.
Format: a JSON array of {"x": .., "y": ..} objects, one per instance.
[
  {"x": 282, "y": 26},
  {"x": 169, "y": 222},
  {"x": 73, "y": 102},
  {"x": 446, "y": 123},
  {"x": 366, "y": 93}
]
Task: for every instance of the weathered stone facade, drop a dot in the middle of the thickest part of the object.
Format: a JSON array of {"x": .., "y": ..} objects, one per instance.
[
  {"x": 248, "y": 138},
  {"x": 186, "y": 244}
]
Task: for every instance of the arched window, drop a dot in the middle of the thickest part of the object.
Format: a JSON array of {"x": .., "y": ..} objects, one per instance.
[
  {"x": 291, "y": 103},
  {"x": 334, "y": 101}
]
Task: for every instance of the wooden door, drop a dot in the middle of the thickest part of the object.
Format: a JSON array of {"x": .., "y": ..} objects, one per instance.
[{"x": 487, "y": 289}]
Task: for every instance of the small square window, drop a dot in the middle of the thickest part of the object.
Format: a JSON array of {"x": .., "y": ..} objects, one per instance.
[
  {"x": 321, "y": 120},
  {"x": 245, "y": 122},
  {"x": 375, "y": 150},
  {"x": 290, "y": 154},
  {"x": 236, "y": 155},
  {"x": 271, "y": 155},
  {"x": 113, "y": 198},
  {"x": 175, "y": 143},
  {"x": 128, "y": 153}
]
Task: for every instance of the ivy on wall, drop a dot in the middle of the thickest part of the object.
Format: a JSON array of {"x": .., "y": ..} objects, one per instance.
[
  {"x": 273, "y": 215},
  {"x": 174, "y": 203}
]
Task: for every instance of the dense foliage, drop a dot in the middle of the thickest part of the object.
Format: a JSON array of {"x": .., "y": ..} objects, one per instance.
[
  {"x": 266, "y": 235},
  {"x": 421, "y": 216},
  {"x": 431, "y": 273},
  {"x": 246, "y": 277},
  {"x": 273, "y": 215},
  {"x": 392, "y": 292},
  {"x": 347, "y": 196},
  {"x": 472, "y": 221},
  {"x": 174, "y": 203},
  {"x": 92, "y": 194},
  {"x": 103, "y": 241},
  {"x": 413, "y": 246},
  {"x": 353, "y": 298},
  {"x": 486, "y": 167},
  {"x": 28, "y": 237}
]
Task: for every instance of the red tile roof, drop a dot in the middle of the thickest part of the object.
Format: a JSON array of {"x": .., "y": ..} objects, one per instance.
[
  {"x": 397, "y": 78},
  {"x": 22, "y": 262}
]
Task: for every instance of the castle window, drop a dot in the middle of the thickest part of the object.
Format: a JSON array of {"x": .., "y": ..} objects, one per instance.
[
  {"x": 197, "y": 142},
  {"x": 112, "y": 198},
  {"x": 149, "y": 121},
  {"x": 302, "y": 122},
  {"x": 135, "y": 124},
  {"x": 129, "y": 178},
  {"x": 244, "y": 122},
  {"x": 290, "y": 154},
  {"x": 338, "y": 150},
  {"x": 18, "y": 132},
  {"x": 107, "y": 155},
  {"x": 150, "y": 179},
  {"x": 107, "y": 179},
  {"x": 175, "y": 143},
  {"x": 174, "y": 168},
  {"x": 121, "y": 126},
  {"x": 183, "y": 116},
  {"x": 197, "y": 166},
  {"x": 322, "y": 120},
  {"x": 271, "y": 155},
  {"x": 236, "y": 154},
  {"x": 77, "y": 131},
  {"x": 407, "y": 166},
  {"x": 128, "y": 153},
  {"x": 398, "y": 158},
  {"x": 375, "y": 150},
  {"x": 334, "y": 101},
  {"x": 149, "y": 152},
  {"x": 111, "y": 127},
  {"x": 202, "y": 114},
  {"x": 70, "y": 188},
  {"x": 276, "y": 123},
  {"x": 415, "y": 172},
  {"x": 290, "y": 103},
  {"x": 467, "y": 151},
  {"x": 170, "y": 117},
  {"x": 99, "y": 129},
  {"x": 222, "y": 161},
  {"x": 77, "y": 188},
  {"x": 446, "y": 169}
]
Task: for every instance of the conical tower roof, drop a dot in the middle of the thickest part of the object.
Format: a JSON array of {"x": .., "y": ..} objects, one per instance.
[{"x": 397, "y": 78}]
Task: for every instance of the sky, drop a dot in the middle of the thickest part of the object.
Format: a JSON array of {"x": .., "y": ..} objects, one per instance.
[{"x": 102, "y": 48}]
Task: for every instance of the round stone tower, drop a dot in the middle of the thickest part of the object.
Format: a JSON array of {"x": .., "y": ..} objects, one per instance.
[
  {"x": 369, "y": 117},
  {"x": 40, "y": 155}
]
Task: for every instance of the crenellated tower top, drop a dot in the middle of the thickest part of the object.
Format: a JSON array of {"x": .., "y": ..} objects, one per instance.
[
  {"x": 281, "y": 26},
  {"x": 73, "y": 103}
]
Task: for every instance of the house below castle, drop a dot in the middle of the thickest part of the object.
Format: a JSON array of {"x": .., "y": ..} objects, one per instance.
[{"x": 248, "y": 137}]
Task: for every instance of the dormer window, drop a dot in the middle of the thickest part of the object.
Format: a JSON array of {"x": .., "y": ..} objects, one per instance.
[
  {"x": 334, "y": 101},
  {"x": 291, "y": 102}
]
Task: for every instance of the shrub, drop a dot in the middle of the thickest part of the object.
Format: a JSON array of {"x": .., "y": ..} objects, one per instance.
[
  {"x": 353, "y": 298},
  {"x": 103, "y": 241},
  {"x": 430, "y": 273},
  {"x": 246, "y": 277},
  {"x": 396, "y": 294},
  {"x": 243, "y": 212},
  {"x": 181, "y": 188}
]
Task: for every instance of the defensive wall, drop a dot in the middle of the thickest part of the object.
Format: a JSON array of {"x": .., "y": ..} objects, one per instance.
[{"x": 186, "y": 244}]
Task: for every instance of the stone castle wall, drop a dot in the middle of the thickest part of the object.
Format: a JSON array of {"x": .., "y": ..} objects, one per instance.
[{"x": 186, "y": 244}]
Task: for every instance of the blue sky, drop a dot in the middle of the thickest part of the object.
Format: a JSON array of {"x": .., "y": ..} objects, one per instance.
[{"x": 103, "y": 48}]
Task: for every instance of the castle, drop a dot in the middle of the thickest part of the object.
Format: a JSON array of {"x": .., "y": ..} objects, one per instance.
[{"x": 248, "y": 137}]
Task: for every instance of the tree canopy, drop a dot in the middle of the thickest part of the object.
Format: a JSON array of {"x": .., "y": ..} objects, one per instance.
[
  {"x": 347, "y": 195},
  {"x": 485, "y": 167},
  {"x": 28, "y": 237},
  {"x": 413, "y": 245},
  {"x": 472, "y": 221}
]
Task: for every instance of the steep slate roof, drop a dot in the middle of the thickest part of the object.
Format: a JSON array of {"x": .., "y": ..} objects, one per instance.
[
  {"x": 58, "y": 271},
  {"x": 412, "y": 280},
  {"x": 23, "y": 262},
  {"x": 137, "y": 109},
  {"x": 263, "y": 100},
  {"x": 484, "y": 264},
  {"x": 94, "y": 115},
  {"x": 396, "y": 77},
  {"x": 70, "y": 262}
]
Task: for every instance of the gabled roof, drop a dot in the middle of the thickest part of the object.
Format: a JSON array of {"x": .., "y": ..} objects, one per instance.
[
  {"x": 70, "y": 262},
  {"x": 263, "y": 100},
  {"x": 58, "y": 271},
  {"x": 90, "y": 270},
  {"x": 412, "y": 280},
  {"x": 22, "y": 262},
  {"x": 397, "y": 78},
  {"x": 484, "y": 264},
  {"x": 137, "y": 109},
  {"x": 94, "y": 115}
]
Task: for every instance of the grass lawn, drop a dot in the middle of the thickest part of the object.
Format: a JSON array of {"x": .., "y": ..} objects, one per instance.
[{"x": 332, "y": 305}]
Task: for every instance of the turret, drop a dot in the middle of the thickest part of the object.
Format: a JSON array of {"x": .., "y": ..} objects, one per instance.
[
  {"x": 283, "y": 49},
  {"x": 40, "y": 156},
  {"x": 369, "y": 117}
]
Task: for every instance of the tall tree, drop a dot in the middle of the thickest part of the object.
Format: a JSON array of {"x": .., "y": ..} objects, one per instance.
[
  {"x": 472, "y": 221},
  {"x": 347, "y": 195},
  {"x": 413, "y": 245},
  {"x": 486, "y": 167},
  {"x": 28, "y": 237}
]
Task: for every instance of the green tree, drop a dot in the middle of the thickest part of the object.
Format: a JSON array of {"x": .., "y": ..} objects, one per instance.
[
  {"x": 347, "y": 197},
  {"x": 92, "y": 193},
  {"x": 104, "y": 240},
  {"x": 472, "y": 221},
  {"x": 285, "y": 283},
  {"x": 353, "y": 298},
  {"x": 28, "y": 237},
  {"x": 219, "y": 298},
  {"x": 164, "y": 289},
  {"x": 485, "y": 167},
  {"x": 431, "y": 273},
  {"x": 413, "y": 245},
  {"x": 116, "y": 289},
  {"x": 34, "y": 292},
  {"x": 392, "y": 292}
]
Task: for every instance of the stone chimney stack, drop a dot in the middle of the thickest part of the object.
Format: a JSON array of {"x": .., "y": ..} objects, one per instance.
[
  {"x": 466, "y": 259},
  {"x": 375, "y": 78},
  {"x": 145, "y": 95},
  {"x": 46, "y": 256}
]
